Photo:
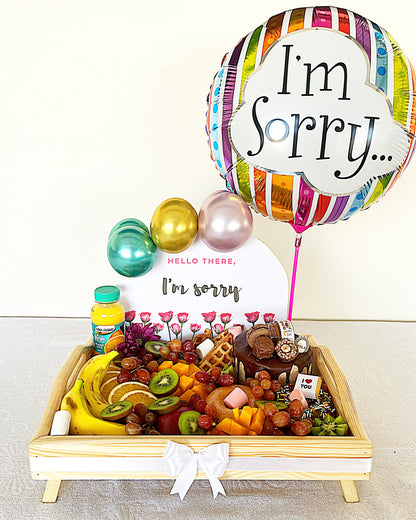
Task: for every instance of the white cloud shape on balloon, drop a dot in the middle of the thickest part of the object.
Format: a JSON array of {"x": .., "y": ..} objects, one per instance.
[{"x": 309, "y": 109}]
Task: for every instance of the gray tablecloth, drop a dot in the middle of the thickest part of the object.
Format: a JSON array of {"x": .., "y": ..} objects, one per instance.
[{"x": 378, "y": 359}]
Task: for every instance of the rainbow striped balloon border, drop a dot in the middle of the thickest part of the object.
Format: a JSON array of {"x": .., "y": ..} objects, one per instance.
[{"x": 289, "y": 198}]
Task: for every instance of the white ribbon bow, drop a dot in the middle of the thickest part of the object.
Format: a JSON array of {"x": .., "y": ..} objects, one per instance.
[{"x": 182, "y": 461}]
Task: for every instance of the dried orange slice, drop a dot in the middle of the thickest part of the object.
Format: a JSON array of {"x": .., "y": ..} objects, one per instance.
[
  {"x": 107, "y": 386},
  {"x": 109, "y": 375},
  {"x": 116, "y": 394},
  {"x": 139, "y": 396}
]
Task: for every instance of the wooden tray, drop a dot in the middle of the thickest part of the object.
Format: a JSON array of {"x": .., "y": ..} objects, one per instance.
[{"x": 56, "y": 458}]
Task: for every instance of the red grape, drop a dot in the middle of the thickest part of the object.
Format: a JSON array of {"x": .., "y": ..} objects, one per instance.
[
  {"x": 281, "y": 419},
  {"x": 268, "y": 427},
  {"x": 187, "y": 345},
  {"x": 150, "y": 418},
  {"x": 175, "y": 345},
  {"x": 133, "y": 417},
  {"x": 202, "y": 377},
  {"x": 266, "y": 384},
  {"x": 189, "y": 357},
  {"x": 164, "y": 351},
  {"x": 133, "y": 428},
  {"x": 143, "y": 375},
  {"x": 268, "y": 395},
  {"x": 263, "y": 374},
  {"x": 152, "y": 366},
  {"x": 147, "y": 357},
  {"x": 226, "y": 380},
  {"x": 295, "y": 409},
  {"x": 141, "y": 410},
  {"x": 193, "y": 399},
  {"x": 276, "y": 386},
  {"x": 253, "y": 383},
  {"x": 173, "y": 356},
  {"x": 129, "y": 363},
  {"x": 213, "y": 431},
  {"x": 124, "y": 376},
  {"x": 257, "y": 391},
  {"x": 214, "y": 374},
  {"x": 299, "y": 428},
  {"x": 270, "y": 409},
  {"x": 205, "y": 422}
]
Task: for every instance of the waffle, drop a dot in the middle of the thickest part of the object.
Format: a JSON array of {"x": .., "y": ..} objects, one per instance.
[{"x": 220, "y": 355}]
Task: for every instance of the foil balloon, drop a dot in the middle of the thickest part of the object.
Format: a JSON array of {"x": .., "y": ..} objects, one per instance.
[
  {"x": 312, "y": 116},
  {"x": 130, "y": 222},
  {"x": 225, "y": 221},
  {"x": 174, "y": 225},
  {"x": 131, "y": 251}
]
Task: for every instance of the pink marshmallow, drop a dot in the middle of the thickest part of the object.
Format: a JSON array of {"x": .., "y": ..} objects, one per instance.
[
  {"x": 235, "y": 331},
  {"x": 236, "y": 398},
  {"x": 297, "y": 394}
]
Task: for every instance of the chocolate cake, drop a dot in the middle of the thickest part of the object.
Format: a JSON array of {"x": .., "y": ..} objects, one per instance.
[{"x": 246, "y": 364}]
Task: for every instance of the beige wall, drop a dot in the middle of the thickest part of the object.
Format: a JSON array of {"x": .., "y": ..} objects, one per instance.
[{"x": 102, "y": 110}]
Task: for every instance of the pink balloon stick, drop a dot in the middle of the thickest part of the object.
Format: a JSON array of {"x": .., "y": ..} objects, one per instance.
[{"x": 299, "y": 230}]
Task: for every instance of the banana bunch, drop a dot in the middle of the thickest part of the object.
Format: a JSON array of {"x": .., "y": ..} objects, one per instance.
[
  {"x": 92, "y": 374},
  {"x": 83, "y": 422}
]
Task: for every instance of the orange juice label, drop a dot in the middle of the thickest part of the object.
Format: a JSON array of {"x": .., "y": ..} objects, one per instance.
[{"x": 107, "y": 337}]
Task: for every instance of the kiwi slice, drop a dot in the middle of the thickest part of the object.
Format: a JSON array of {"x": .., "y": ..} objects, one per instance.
[
  {"x": 188, "y": 423},
  {"x": 153, "y": 347},
  {"x": 116, "y": 411},
  {"x": 164, "y": 382},
  {"x": 280, "y": 405},
  {"x": 165, "y": 404}
]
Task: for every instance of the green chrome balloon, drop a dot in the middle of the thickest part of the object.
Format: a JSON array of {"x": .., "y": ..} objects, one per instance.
[
  {"x": 127, "y": 222},
  {"x": 131, "y": 251}
]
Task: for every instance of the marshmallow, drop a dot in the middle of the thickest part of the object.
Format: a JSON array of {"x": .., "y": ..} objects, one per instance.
[
  {"x": 204, "y": 348},
  {"x": 61, "y": 421},
  {"x": 235, "y": 330},
  {"x": 297, "y": 394},
  {"x": 236, "y": 398}
]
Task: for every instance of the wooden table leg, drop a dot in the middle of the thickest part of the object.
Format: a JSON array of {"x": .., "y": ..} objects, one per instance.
[
  {"x": 51, "y": 490},
  {"x": 349, "y": 491}
]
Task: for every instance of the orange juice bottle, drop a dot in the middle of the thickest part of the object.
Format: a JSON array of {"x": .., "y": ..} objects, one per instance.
[{"x": 107, "y": 317}]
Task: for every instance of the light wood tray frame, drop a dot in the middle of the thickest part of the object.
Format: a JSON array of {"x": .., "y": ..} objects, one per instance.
[{"x": 81, "y": 451}]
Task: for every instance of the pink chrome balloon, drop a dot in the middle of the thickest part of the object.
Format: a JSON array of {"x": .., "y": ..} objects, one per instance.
[{"x": 225, "y": 221}]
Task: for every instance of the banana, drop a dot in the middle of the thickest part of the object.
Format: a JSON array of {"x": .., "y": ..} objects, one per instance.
[
  {"x": 82, "y": 420},
  {"x": 93, "y": 373}
]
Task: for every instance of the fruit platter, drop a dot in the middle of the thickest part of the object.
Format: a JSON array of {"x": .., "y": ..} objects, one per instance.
[{"x": 282, "y": 406}]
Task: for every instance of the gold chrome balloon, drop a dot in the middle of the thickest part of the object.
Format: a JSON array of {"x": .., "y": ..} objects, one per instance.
[{"x": 174, "y": 225}]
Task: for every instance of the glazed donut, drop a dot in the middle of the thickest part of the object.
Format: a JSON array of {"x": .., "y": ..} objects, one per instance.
[{"x": 217, "y": 396}]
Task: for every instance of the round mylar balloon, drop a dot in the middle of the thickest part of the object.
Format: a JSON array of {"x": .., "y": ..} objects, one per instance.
[
  {"x": 225, "y": 221},
  {"x": 174, "y": 225},
  {"x": 312, "y": 115},
  {"x": 126, "y": 222},
  {"x": 131, "y": 251}
]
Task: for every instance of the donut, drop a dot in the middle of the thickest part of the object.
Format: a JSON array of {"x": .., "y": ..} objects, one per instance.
[{"x": 217, "y": 396}]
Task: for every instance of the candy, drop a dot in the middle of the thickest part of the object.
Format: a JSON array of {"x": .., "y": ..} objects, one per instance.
[
  {"x": 309, "y": 385},
  {"x": 286, "y": 350},
  {"x": 263, "y": 347},
  {"x": 236, "y": 398},
  {"x": 203, "y": 348}
]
